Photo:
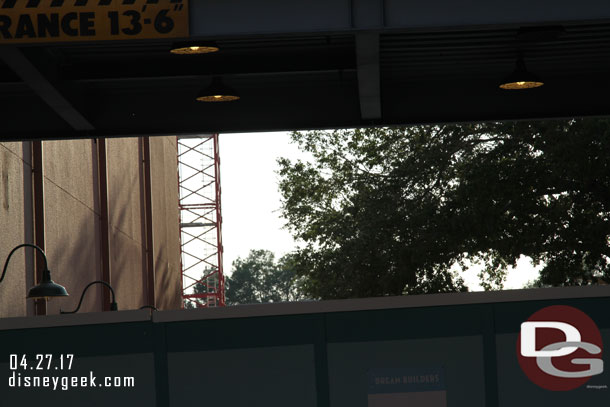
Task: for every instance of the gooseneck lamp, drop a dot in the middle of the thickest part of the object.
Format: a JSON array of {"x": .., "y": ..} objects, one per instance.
[
  {"x": 47, "y": 287},
  {"x": 113, "y": 305}
]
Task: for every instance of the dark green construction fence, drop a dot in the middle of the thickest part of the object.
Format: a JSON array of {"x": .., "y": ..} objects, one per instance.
[{"x": 435, "y": 350}]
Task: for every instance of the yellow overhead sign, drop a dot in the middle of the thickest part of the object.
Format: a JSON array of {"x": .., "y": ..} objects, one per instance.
[{"x": 33, "y": 21}]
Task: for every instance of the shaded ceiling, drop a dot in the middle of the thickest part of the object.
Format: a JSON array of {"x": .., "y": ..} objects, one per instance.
[{"x": 304, "y": 80}]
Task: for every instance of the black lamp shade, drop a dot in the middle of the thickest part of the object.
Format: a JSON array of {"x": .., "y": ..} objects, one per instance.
[
  {"x": 194, "y": 48},
  {"x": 47, "y": 288},
  {"x": 521, "y": 78},
  {"x": 217, "y": 92}
]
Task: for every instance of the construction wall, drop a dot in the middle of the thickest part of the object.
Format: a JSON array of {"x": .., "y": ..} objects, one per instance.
[
  {"x": 166, "y": 226},
  {"x": 126, "y": 215},
  {"x": 435, "y": 350},
  {"x": 12, "y": 227},
  {"x": 72, "y": 221},
  {"x": 75, "y": 229}
]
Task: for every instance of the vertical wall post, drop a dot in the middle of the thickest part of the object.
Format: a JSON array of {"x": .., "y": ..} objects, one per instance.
[
  {"x": 28, "y": 219},
  {"x": 104, "y": 220},
  {"x": 490, "y": 357},
  {"x": 40, "y": 307},
  {"x": 150, "y": 255}
]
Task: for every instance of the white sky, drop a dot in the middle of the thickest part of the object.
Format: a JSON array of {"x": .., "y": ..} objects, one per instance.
[
  {"x": 251, "y": 201},
  {"x": 250, "y": 197}
]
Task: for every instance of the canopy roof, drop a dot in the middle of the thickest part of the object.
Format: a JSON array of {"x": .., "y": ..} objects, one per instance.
[{"x": 309, "y": 64}]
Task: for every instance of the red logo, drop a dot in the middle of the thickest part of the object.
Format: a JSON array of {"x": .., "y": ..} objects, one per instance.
[{"x": 560, "y": 348}]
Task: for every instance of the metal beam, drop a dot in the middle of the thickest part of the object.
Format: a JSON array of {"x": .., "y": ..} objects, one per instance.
[
  {"x": 44, "y": 88},
  {"x": 210, "y": 18},
  {"x": 148, "y": 221},
  {"x": 367, "y": 59},
  {"x": 102, "y": 181},
  {"x": 39, "y": 218}
]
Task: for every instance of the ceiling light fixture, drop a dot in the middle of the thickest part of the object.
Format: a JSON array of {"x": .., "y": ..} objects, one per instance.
[
  {"x": 47, "y": 287},
  {"x": 194, "y": 48},
  {"x": 217, "y": 92},
  {"x": 521, "y": 78}
]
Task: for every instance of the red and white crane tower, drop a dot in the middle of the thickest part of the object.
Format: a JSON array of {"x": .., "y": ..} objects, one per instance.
[{"x": 200, "y": 221}]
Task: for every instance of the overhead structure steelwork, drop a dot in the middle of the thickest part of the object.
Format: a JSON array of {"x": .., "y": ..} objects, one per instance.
[
  {"x": 200, "y": 222},
  {"x": 299, "y": 65}
]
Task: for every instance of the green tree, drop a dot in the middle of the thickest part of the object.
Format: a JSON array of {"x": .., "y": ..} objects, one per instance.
[
  {"x": 389, "y": 211},
  {"x": 259, "y": 278}
]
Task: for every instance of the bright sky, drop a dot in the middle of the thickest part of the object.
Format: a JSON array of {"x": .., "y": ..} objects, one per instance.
[
  {"x": 250, "y": 196},
  {"x": 251, "y": 201}
]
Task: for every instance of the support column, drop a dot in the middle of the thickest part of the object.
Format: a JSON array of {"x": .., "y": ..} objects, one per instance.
[
  {"x": 102, "y": 174},
  {"x": 148, "y": 222},
  {"x": 40, "y": 307},
  {"x": 28, "y": 220}
]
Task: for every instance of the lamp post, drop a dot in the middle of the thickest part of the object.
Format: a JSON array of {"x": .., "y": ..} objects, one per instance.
[
  {"x": 113, "y": 305},
  {"x": 47, "y": 287}
]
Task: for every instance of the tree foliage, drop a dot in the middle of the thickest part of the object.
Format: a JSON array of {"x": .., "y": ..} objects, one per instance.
[
  {"x": 389, "y": 211},
  {"x": 259, "y": 278}
]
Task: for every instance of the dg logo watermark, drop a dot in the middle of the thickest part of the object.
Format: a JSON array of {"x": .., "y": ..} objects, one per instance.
[{"x": 560, "y": 348}]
